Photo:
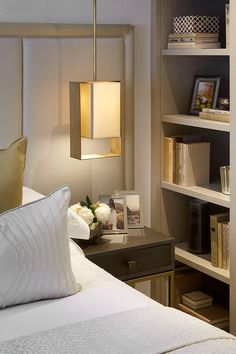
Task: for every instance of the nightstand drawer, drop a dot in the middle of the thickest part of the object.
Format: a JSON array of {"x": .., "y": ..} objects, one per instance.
[{"x": 133, "y": 263}]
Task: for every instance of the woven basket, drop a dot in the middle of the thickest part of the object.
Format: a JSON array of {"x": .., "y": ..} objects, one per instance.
[{"x": 196, "y": 24}]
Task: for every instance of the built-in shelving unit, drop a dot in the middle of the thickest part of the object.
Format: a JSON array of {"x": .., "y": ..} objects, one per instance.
[{"x": 174, "y": 72}]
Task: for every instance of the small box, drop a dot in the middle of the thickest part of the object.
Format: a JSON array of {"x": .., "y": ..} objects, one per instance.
[{"x": 196, "y": 24}]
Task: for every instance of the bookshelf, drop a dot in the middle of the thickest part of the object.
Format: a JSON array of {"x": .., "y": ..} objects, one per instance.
[{"x": 172, "y": 81}]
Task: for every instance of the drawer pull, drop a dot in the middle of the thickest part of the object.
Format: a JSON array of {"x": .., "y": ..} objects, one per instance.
[{"x": 132, "y": 265}]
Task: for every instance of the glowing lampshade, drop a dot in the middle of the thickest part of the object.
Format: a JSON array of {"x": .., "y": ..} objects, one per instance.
[{"x": 100, "y": 109}]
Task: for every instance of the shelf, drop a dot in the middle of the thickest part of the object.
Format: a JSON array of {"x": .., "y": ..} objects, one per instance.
[
  {"x": 195, "y": 52},
  {"x": 209, "y": 193},
  {"x": 200, "y": 262},
  {"x": 194, "y": 121}
]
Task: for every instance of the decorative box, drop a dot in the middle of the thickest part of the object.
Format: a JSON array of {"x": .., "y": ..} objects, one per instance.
[{"x": 196, "y": 24}]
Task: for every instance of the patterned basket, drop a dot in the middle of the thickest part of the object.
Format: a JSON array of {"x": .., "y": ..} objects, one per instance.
[{"x": 196, "y": 24}]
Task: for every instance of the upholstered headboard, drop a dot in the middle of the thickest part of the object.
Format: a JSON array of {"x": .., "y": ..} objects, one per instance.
[{"x": 37, "y": 61}]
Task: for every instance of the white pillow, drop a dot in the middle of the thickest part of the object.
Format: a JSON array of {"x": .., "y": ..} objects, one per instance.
[{"x": 34, "y": 251}]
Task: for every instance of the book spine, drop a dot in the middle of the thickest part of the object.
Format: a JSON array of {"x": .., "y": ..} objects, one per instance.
[
  {"x": 224, "y": 245},
  {"x": 227, "y": 245},
  {"x": 216, "y": 117},
  {"x": 214, "y": 240},
  {"x": 219, "y": 243},
  {"x": 168, "y": 159},
  {"x": 193, "y": 34},
  {"x": 180, "y": 169},
  {"x": 216, "y": 111}
]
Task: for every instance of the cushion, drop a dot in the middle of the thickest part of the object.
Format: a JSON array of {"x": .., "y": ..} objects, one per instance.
[
  {"x": 12, "y": 164},
  {"x": 34, "y": 251}
]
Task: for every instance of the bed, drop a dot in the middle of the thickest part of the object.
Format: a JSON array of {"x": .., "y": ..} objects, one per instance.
[{"x": 106, "y": 316}]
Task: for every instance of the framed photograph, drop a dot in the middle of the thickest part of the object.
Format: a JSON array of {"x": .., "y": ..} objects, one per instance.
[
  {"x": 134, "y": 205},
  {"x": 205, "y": 93},
  {"x": 117, "y": 222}
]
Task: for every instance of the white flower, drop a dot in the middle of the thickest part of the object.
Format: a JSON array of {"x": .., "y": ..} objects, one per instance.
[
  {"x": 102, "y": 212},
  {"x": 84, "y": 212}
]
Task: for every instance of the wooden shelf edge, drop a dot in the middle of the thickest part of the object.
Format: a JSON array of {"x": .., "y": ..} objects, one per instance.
[
  {"x": 200, "y": 262},
  {"x": 201, "y": 192},
  {"x": 193, "y": 121},
  {"x": 195, "y": 52}
]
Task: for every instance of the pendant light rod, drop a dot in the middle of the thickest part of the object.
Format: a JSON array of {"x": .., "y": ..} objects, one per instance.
[{"x": 94, "y": 40}]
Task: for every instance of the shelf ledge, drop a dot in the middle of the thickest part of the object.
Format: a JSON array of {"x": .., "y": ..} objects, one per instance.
[
  {"x": 200, "y": 262},
  {"x": 195, "y": 52},
  {"x": 209, "y": 193},
  {"x": 193, "y": 121}
]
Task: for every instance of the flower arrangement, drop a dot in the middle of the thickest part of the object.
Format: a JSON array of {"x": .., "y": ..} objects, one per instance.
[{"x": 92, "y": 213}]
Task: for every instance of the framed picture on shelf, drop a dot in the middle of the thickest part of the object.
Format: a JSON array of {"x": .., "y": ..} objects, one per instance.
[
  {"x": 117, "y": 222},
  {"x": 205, "y": 93},
  {"x": 134, "y": 205}
]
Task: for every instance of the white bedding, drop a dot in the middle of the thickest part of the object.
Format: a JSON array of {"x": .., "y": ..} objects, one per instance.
[{"x": 103, "y": 301}]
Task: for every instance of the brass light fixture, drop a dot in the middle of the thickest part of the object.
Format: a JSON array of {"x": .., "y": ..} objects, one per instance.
[{"x": 95, "y": 110}]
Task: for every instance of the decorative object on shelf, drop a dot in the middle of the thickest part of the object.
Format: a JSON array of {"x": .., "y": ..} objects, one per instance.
[
  {"x": 205, "y": 93},
  {"x": 134, "y": 205},
  {"x": 225, "y": 179},
  {"x": 197, "y": 299},
  {"x": 196, "y": 24},
  {"x": 117, "y": 220},
  {"x": 223, "y": 103},
  {"x": 94, "y": 214},
  {"x": 199, "y": 227},
  {"x": 215, "y": 114},
  {"x": 194, "y": 40},
  {"x": 95, "y": 109}
]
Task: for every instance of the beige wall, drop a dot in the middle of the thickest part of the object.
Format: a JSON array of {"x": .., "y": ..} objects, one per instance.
[{"x": 135, "y": 12}]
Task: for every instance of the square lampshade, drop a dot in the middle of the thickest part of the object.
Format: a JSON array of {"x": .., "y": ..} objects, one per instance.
[{"x": 100, "y": 109}]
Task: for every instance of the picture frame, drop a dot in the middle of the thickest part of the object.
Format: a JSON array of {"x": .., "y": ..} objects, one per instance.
[
  {"x": 134, "y": 205},
  {"x": 117, "y": 222},
  {"x": 205, "y": 93}
]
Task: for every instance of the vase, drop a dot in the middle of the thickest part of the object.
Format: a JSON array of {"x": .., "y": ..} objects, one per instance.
[{"x": 95, "y": 233}]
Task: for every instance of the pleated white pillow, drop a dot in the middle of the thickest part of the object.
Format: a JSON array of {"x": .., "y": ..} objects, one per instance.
[{"x": 34, "y": 251}]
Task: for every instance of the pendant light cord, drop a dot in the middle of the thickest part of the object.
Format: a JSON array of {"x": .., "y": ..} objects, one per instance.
[{"x": 94, "y": 40}]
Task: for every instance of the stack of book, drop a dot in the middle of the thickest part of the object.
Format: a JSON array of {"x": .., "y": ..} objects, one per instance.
[
  {"x": 194, "y": 40},
  {"x": 219, "y": 224},
  {"x": 215, "y": 114},
  {"x": 197, "y": 299},
  {"x": 216, "y": 315},
  {"x": 186, "y": 160}
]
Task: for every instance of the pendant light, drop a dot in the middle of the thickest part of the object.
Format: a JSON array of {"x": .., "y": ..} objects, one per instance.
[{"x": 95, "y": 104}]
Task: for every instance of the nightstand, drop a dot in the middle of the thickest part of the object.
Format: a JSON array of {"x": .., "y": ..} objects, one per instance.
[{"x": 139, "y": 256}]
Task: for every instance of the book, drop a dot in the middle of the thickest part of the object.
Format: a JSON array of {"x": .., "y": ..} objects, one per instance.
[
  {"x": 193, "y": 39},
  {"x": 171, "y": 154},
  {"x": 224, "y": 232},
  {"x": 219, "y": 245},
  {"x": 197, "y": 297},
  {"x": 217, "y": 117},
  {"x": 216, "y": 111},
  {"x": 193, "y": 35},
  {"x": 196, "y": 307},
  {"x": 200, "y": 45},
  {"x": 214, "y": 314},
  {"x": 214, "y": 220},
  {"x": 194, "y": 164},
  {"x": 169, "y": 159}
]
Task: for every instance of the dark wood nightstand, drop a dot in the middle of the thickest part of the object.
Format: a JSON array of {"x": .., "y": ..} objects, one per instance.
[{"x": 141, "y": 255}]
